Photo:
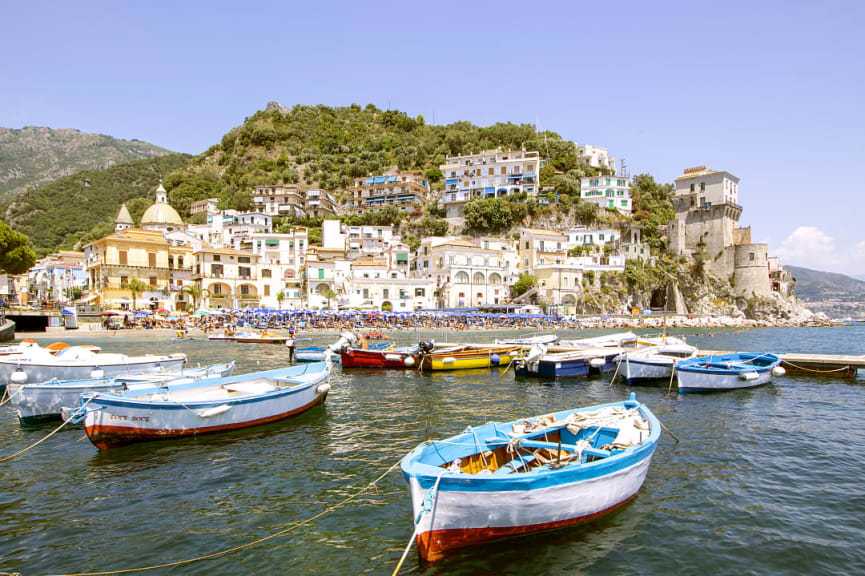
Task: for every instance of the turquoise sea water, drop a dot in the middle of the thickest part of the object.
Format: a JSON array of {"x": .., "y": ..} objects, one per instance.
[{"x": 764, "y": 481}]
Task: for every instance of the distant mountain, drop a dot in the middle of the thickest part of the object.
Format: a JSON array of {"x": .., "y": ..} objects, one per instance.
[
  {"x": 33, "y": 155},
  {"x": 837, "y": 295},
  {"x": 81, "y": 208}
]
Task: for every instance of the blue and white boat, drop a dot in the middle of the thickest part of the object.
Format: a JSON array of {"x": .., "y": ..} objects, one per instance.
[
  {"x": 573, "y": 364},
  {"x": 48, "y": 399},
  {"x": 655, "y": 362},
  {"x": 545, "y": 339},
  {"x": 202, "y": 406},
  {"x": 727, "y": 371},
  {"x": 501, "y": 480}
]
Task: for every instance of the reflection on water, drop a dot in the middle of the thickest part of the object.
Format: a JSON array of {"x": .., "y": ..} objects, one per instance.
[{"x": 764, "y": 481}]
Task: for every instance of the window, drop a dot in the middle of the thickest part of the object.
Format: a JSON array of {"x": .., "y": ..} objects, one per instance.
[
  {"x": 243, "y": 259},
  {"x": 366, "y": 293},
  {"x": 600, "y": 237},
  {"x": 419, "y": 292},
  {"x": 492, "y": 172},
  {"x": 243, "y": 272},
  {"x": 216, "y": 270},
  {"x": 217, "y": 258},
  {"x": 180, "y": 261},
  {"x": 385, "y": 292},
  {"x": 151, "y": 259},
  {"x": 265, "y": 273},
  {"x": 216, "y": 289},
  {"x": 244, "y": 289},
  {"x": 267, "y": 289},
  {"x": 751, "y": 256},
  {"x": 527, "y": 245},
  {"x": 152, "y": 281},
  {"x": 692, "y": 187},
  {"x": 124, "y": 280},
  {"x": 124, "y": 256},
  {"x": 702, "y": 186}
]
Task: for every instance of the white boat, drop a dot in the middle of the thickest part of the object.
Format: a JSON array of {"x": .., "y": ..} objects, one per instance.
[
  {"x": 501, "y": 480},
  {"x": 616, "y": 340},
  {"x": 654, "y": 362},
  {"x": 79, "y": 363},
  {"x": 48, "y": 399},
  {"x": 204, "y": 406},
  {"x": 727, "y": 371}
]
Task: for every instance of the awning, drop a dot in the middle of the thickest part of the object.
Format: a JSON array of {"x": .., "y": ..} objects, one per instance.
[
  {"x": 378, "y": 180},
  {"x": 449, "y": 182},
  {"x": 402, "y": 257},
  {"x": 271, "y": 242},
  {"x": 90, "y": 298},
  {"x": 370, "y": 180},
  {"x": 406, "y": 197},
  {"x": 391, "y": 178},
  {"x": 515, "y": 177}
]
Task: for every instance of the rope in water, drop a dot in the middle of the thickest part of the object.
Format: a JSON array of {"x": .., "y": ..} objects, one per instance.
[
  {"x": 50, "y": 434},
  {"x": 7, "y": 397},
  {"x": 802, "y": 368},
  {"x": 248, "y": 544}
]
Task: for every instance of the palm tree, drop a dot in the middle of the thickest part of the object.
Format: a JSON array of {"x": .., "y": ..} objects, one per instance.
[
  {"x": 330, "y": 295},
  {"x": 280, "y": 297},
  {"x": 135, "y": 286},
  {"x": 195, "y": 294}
]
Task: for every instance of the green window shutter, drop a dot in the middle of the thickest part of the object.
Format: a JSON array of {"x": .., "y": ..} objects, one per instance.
[
  {"x": 271, "y": 242},
  {"x": 321, "y": 273},
  {"x": 402, "y": 257}
]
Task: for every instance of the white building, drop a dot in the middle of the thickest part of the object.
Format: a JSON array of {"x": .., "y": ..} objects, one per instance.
[
  {"x": 406, "y": 192},
  {"x": 285, "y": 255},
  {"x": 366, "y": 240},
  {"x": 596, "y": 156},
  {"x": 490, "y": 174},
  {"x": 232, "y": 229},
  {"x": 464, "y": 275},
  {"x": 610, "y": 192},
  {"x": 584, "y": 236},
  {"x": 229, "y": 277},
  {"x": 293, "y": 200},
  {"x": 54, "y": 277}
]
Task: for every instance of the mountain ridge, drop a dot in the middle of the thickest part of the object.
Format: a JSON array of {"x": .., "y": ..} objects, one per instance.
[{"x": 33, "y": 156}]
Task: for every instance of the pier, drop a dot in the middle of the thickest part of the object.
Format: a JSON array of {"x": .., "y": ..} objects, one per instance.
[{"x": 33, "y": 320}]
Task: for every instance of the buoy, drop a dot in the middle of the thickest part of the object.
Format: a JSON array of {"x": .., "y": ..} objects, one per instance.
[
  {"x": 749, "y": 376},
  {"x": 215, "y": 411},
  {"x": 18, "y": 377},
  {"x": 495, "y": 360},
  {"x": 449, "y": 360},
  {"x": 778, "y": 371},
  {"x": 393, "y": 357},
  {"x": 409, "y": 361},
  {"x": 323, "y": 388},
  {"x": 97, "y": 373},
  {"x": 597, "y": 362}
]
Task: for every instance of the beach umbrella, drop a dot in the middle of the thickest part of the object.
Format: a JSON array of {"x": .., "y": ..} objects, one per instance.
[
  {"x": 143, "y": 313},
  {"x": 110, "y": 313},
  {"x": 162, "y": 311}
]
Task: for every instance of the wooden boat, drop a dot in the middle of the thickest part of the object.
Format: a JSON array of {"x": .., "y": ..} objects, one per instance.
[
  {"x": 322, "y": 353},
  {"x": 501, "y": 480},
  {"x": 78, "y": 363},
  {"x": 252, "y": 338},
  {"x": 654, "y": 362},
  {"x": 48, "y": 399},
  {"x": 396, "y": 358},
  {"x": 545, "y": 339},
  {"x": 727, "y": 371},
  {"x": 469, "y": 357},
  {"x": 616, "y": 340},
  {"x": 568, "y": 364},
  {"x": 204, "y": 406},
  {"x": 7, "y": 330}
]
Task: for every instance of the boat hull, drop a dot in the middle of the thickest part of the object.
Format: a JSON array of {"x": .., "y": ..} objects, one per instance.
[
  {"x": 36, "y": 402},
  {"x": 726, "y": 372},
  {"x": 640, "y": 371},
  {"x": 39, "y": 372},
  {"x": 693, "y": 382},
  {"x": 468, "y": 360},
  {"x": 112, "y": 422},
  {"x": 355, "y": 358},
  {"x": 461, "y": 518},
  {"x": 575, "y": 368}
]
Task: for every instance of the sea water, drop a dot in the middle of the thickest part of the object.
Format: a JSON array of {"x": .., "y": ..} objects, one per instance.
[{"x": 763, "y": 481}]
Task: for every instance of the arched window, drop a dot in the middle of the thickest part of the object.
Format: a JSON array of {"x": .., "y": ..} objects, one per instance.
[
  {"x": 462, "y": 278},
  {"x": 479, "y": 278},
  {"x": 495, "y": 278}
]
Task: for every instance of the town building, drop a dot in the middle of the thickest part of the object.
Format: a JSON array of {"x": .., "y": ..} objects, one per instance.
[
  {"x": 285, "y": 257},
  {"x": 56, "y": 277},
  {"x": 609, "y": 192},
  {"x": 406, "y": 192},
  {"x": 328, "y": 282},
  {"x": 366, "y": 240},
  {"x": 208, "y": 206},
  {"x": 490, "y": 174},
  {"x": 293, "y": 200},
  {"x": 159, "y": 216},
  {"x": 228, "y": 278},
  {"x": 538, "y": 247},
  {"x": 597, "y": 157},
  {"x": 232, "y": 229},
  {"x": 464, "y": 274}
]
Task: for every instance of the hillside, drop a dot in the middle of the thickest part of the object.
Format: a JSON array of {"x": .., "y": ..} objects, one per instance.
[
  {"x": 836, "y": 295},
  {"x": 330, "y": 146},
  {"x": 33, "y": 155},
  {"x": 82, "y": 207}
]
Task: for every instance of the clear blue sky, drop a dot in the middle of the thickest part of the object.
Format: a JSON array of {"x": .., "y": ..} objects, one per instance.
[{"x": 770, "y": 91}]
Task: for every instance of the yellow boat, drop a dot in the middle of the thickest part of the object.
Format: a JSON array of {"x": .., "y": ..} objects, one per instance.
[{"x": 485, "y": 357}]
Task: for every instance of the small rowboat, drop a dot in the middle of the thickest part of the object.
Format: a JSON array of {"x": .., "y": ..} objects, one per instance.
[
  {"x": 501, "y": 480},
  {"x": 727, "y": 371},
  {"x": 545, "y": 339},
  {"x": 470, "y": 357},
  {"x": 321, "y": 353},
  {"x": 615, "y": 340},
  {"x": 203, "y": 406},
  {"x": 655, "y": 362},
  {"x": 252, "y": 338},
  {"x": 48, "y": 399},
  {"x": 398, "y": 358}
]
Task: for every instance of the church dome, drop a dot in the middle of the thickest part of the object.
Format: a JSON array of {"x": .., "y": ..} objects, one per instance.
[{"x": 161, "y": 214}]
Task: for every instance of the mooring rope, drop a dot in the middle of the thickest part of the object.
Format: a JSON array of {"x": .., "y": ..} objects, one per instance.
[
  {"x": 7, "y": 397},
  {"x": 248, "y": 544},
  {"x": 802, "y": 368},
  {"x": 428, "y": 504},
  {"x": 50, "y": 434}
]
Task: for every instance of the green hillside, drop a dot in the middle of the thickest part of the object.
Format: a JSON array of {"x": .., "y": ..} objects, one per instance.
[
  {"x": 328, "y": 147},
  {"x": 82, "y": 207},
  {"x": 33, "y": 156}
]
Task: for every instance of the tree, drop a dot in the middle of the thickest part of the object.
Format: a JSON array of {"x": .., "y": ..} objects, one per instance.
[
  {"x": 330, "y": 295},
  {"x": 195, "y": 294},
  {"x": 525, "y": 283},
  {"x": 16, "y": 257},
  {"x": 488, "y": 215},
  {"x": 135, "y": 286},
  {"x": 280, "y": 297},
  {"x": 434, "y": 175}
]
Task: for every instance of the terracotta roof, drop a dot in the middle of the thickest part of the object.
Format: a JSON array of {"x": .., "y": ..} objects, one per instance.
[{"x": 696, "y": 173}]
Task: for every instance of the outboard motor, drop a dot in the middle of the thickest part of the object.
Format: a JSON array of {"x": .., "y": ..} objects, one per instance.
[
  {"x": 346, "y": 340},
  {"x": 426, "y": 346},
  {"x": 536, "y": 352}
]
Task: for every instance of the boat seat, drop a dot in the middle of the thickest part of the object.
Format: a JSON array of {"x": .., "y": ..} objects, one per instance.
[
  {"x": 572, "y": 448},
  {"x": 514, "y": 465}
]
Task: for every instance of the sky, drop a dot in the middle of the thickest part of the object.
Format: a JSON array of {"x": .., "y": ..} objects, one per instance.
[{"x": 771, "y": 91}]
